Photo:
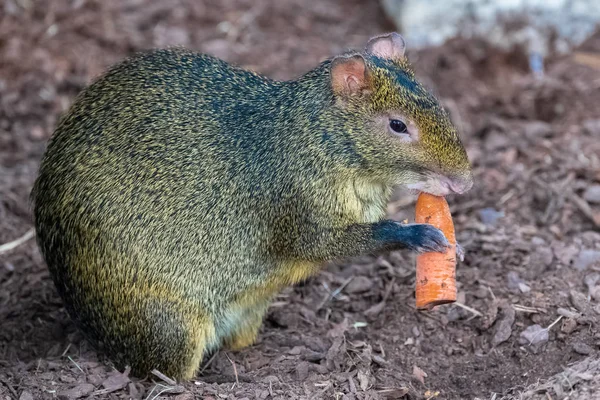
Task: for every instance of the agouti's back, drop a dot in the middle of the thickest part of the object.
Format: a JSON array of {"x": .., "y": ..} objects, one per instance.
[{"x": 180, "y": 194}]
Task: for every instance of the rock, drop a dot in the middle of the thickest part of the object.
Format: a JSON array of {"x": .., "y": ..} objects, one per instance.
[
  {"x": 568, "y": 325},
  {"x": 419, "y": 374},
  {"x": 363, "y": 379},
  {"x": 591, "y": 280},
  {"x": 496, "y": 141},
  {"x": 534, "y": 335},
  {"x": 77, "y": 392},
  {"x": 537, "y": 129},
  {"x": 582, "y": 348},
  {"x": 544, "y": 255},
  {"x": 515, "y": 284},
  {"x": 358, "y": 285},
  {"x": 524, "y": 288},
  {"x": 489, "y": 216},
  {"x": 564, "y": 253},
  {"x": 592, "y": 126},
  {"x": 415, "y": 331},
  {"x": 504, "y": 325},
  {"x": 116, "y": 382},
  {"x": 538, "y": 241},
  {"x": 25, "y": 395},
  {"x": 302, "y": 371},
  {"x": 592, "y": 194},
  {"x": 595, "y": 292},
  {"x": 580, "y": 302},
  {"x": 586, "y": 258}
]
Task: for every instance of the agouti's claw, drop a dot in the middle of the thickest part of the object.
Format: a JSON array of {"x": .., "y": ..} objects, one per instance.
[
  {"x": 424, "y": 238},
  {"x": 460, "y": 252}
]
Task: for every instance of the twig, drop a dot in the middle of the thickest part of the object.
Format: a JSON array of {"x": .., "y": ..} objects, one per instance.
[
  {"x": 585, "y": 208},
  {"x": 554, "y": 323},
  {"x": 237, "y": 380},
  {"x": 546, "y": 329},
  {"x": 526, "y": 309},
  {"x": 210, "y": 360},
  {"x": 77, "y": 365},
  {"x": 163, "y": 377},
  {"x": 389, "y": 288},
  {"x": 17, "y": 242},
  {"x": 9, "y": 386},
  {"x": 469, "y": 309},
  {"x": 334, "y": 293},
  {"x": 166, "y": 389},
  {"x": 67, "y": 349}
]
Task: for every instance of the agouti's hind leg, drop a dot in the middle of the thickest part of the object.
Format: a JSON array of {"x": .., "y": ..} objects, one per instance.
[
  {"x": 245, "y": 333},
  {"x": 175, "y": 338}
]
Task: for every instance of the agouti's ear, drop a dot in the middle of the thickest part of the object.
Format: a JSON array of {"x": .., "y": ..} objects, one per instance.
[
  {"x": 390, "y": 46},
  {"x": 349, "y": 75}
]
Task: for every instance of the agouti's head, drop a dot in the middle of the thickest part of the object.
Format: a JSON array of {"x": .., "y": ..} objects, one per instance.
[{"x": 401, "y": 131}]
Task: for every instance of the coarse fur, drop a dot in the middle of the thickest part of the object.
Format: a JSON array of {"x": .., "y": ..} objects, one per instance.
[{"x": 180, "y": 194}]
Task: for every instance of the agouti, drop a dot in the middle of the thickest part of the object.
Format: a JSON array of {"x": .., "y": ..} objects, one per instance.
[{"x": 180, "y": 194}]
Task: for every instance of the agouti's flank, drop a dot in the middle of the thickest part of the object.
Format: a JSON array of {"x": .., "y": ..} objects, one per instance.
[{"x": 180, "y": 194}]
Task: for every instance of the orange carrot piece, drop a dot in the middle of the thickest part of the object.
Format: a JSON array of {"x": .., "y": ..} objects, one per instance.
[{"x": 436, "y": 272}]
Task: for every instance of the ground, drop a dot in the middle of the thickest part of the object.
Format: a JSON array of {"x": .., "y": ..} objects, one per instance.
[{"x": 526, "y": 324}]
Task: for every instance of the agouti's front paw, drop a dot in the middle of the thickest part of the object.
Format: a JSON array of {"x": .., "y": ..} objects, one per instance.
[{"x": 424, "y": 238}]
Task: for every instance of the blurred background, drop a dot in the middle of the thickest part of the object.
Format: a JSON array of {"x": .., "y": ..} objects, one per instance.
[{"x": 521, "y": 80}]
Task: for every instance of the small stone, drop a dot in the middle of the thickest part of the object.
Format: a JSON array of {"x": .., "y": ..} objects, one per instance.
[
  {"x": 358, "y": 285},
  {"x": 489, "y": 216},
  {"x": 586, "y": 259},
  {"x": 568, "y": 325},
  {"x": 537, "y": 129},
  {"x": 524, "y": 288},
  {"x": 504, "y": 325},
  {"x": 534, "y": 335},
  {"x": 419, "y": 374},
  {"x": 582, "y": 348},
  {"x": 116, "y": 381},
  {"x": 564, "y": 253},
  {"x": 538, "y": 241},
  {"x": 25, "y": 395},
  {"x": 409, "y": 342},
  {"x": 380, "y": 361},
  {"x": 580, "y": 302},
  {"x": 514, "y": 282},
  {"x": 595, "y": 293},
  {"x": 495, "y": 141},
  {"x": 415, "y": 331},
  {"x": 302, "y": 371},
  {"x": 592, "y": 194},
  {"x": 545, "y": 255},
  {"x": 592, "y": 126}
]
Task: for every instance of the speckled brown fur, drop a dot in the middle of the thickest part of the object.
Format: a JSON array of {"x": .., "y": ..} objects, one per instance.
[{"x": 180, "y": 194}]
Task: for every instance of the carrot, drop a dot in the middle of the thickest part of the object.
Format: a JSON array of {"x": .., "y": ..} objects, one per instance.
[{"x": 436, "y": 272}]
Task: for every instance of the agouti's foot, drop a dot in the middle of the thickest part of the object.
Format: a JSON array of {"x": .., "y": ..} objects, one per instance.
[{"x": 424, "y": 238}]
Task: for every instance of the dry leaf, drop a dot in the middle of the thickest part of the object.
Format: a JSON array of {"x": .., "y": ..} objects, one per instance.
[{"x": 419, "y": 374}]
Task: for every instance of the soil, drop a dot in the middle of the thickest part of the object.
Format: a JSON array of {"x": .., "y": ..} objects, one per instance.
[{"x": 526, "y": 324}]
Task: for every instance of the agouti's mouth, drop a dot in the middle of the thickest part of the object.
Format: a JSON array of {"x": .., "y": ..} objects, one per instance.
[{"x": 442, "y": 186}]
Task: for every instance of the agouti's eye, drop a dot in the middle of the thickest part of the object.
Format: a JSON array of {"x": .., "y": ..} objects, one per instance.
[{"x": 398, "y": 126}]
